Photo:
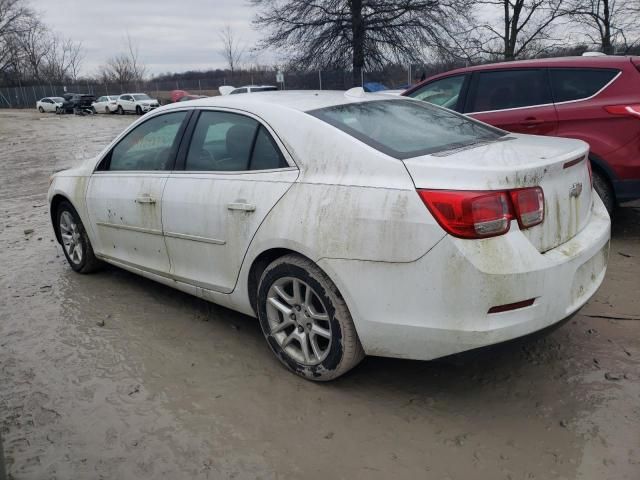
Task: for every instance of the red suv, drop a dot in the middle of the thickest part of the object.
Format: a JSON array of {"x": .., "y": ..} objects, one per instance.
[{"x": 595, "y": 99}]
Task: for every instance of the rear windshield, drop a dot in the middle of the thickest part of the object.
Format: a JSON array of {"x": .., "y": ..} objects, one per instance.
[{"x": 406, "y": 128}]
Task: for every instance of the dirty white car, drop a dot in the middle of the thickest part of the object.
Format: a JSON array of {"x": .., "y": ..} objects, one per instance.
[{"x": 349, "y": 224}]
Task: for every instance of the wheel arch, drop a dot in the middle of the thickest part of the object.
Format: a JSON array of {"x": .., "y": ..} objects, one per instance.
[
  {"x": 57, "y": 199},
  {"x": 259, "y": 265}
]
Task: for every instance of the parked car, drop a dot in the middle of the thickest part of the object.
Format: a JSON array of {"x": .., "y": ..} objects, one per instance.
[
  {"x": 349, "y": 224},
  {"x": 49, "y": 104},
  {"x": 106, "y": 104},
  {"x": 229, "y": 90},
  {"x": 76, "y": 102},
  {"x": 138, "y": 103},
  {"x": 594, "y": 98}
]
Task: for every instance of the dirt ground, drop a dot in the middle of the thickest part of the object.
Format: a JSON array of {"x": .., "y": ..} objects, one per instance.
[{"x": 111, "y": 376}]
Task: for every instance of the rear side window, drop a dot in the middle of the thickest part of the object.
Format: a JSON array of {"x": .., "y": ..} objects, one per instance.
[
  {"x": 231, "y": 142},
  {"x": 406, "y": 128},
  {"x": 445, "y": 92},
  {"x": 578, "y": 83},
  {"x": 503, "y": 89}
]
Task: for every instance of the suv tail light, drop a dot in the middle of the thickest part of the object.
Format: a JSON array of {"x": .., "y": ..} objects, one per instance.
[
  {"x": 628, "y": 110},
  {"x": 484, "y": 214}
]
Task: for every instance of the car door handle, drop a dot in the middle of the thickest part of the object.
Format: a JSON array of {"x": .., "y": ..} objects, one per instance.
[
  {"x": 531, "y": 122},
  {"x": 244, "y": 207},
  {"x": 145, "y": 198}
]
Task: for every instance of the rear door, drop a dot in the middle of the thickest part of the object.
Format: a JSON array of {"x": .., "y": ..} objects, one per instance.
[
  {"x": 124, "y": 194},
  {"x": 234, "y": 172},
  {"x": 514, "y": 100}
]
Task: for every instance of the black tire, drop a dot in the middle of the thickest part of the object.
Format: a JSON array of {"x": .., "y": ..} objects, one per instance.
[
  {"x": 41, "y": 110},
  {"x": 120, "y": 110},
  {"x": 106, "y": 110},
  {"x": 603, "y": 187},
  {"x": 342, "y": 352},
  {"x": 138, "y": 110},
  {"x": 88, "y": 262}
]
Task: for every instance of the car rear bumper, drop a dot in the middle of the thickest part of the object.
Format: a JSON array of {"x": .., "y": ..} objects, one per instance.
[{"x": 439, "y": 304}]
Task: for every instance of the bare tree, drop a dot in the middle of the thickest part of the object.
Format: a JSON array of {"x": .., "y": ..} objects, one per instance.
[
  {"x": 357, "y": 33},
  {"x": 607, "y": 23},
  {"x": 62, "y": 60},
  {"x": 14, "y": 17},
  {"x": 524, "y": 28},
  {"x": 35, "y": 42},
  {"x": 124, "y": 68},
  {"x": 231, "y": 50}
]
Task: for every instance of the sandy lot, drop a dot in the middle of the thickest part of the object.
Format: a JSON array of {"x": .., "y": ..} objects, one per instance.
[{"x": 111, "y": 376}]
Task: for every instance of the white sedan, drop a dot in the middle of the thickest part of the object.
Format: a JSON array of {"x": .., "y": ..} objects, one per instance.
[
  {"x": 348, "y": 224},
  {"x": 49, "y": 104},
  {"x": 106, "y": 104}
]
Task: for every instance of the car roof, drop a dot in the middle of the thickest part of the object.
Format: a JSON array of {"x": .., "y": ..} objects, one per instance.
[
  {"x": 300, "y": 100},
  {"x": 604, "y": 61}
]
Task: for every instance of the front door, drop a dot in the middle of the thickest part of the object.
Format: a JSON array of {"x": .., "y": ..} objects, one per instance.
[
  {"x": 124, "y": 196},
  {"x": 233, "y": 174},
  {"x": 515, "y": 100}
]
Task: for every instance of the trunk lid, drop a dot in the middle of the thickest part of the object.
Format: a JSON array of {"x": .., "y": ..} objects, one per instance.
[{"x": 558, "y": 166}]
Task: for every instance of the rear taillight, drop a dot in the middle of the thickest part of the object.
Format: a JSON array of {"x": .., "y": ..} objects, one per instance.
[
  {"x": 529, "y": 206},
  {"x": 627, "y": 110},
  {"x": 484, "y": 214}
]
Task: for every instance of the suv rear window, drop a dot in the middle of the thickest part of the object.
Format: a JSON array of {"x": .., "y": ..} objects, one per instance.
[
  {"x": 406, "y": 128},
  {"x": 578, "y": 83}
]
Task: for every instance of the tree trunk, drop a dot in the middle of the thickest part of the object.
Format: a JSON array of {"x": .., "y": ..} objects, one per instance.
[
  {"x": 358, "y": 33},
  {"x": 607, "y": 47}
]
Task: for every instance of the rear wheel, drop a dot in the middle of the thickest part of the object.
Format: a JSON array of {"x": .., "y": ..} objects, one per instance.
[
  {"x": 305, "y": 320},
  {"x": 41, "y": 110},
  {"x": 603, "y": 187},
  {"x": 75, "y": 241}
]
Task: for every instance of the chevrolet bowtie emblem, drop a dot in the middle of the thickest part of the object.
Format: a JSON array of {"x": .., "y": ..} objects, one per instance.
[{"x": 575, "y": 190}]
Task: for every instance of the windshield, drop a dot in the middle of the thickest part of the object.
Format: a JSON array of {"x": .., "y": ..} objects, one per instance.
[
  {"x": 406, "y": 128},
  {"x": 141, "y": 97}
]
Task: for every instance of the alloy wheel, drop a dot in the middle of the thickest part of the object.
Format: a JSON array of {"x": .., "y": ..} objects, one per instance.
[
  {"x": 71, "y": 237},
  {"x": 298, "y": 320}
]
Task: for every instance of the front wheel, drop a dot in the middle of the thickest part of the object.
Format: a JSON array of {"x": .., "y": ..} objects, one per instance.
[
  {"x": 120, "y": 110},
  {"x": 138, "y": 110},
  {"x": 75, "y": 241},
  {"x": 306, "y": 321}
]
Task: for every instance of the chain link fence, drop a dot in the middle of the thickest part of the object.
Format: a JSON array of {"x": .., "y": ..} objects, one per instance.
[{"x": 26, "y": 96}]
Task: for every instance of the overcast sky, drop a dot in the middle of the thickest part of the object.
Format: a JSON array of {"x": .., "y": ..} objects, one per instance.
[{"x": 172, "y": 35}]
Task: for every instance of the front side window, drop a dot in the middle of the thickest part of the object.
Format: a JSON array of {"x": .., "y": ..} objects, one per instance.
[
  {"x": 227, "y": 142},
  {"x": 444, "y": 92},
  {"x": 150, "y": 146},
  {"x": 141, "y": 97},
  {"x": 578, "y": 83},
  {"x": 503, "y": 89},
  {"x": 406, "y": 128},
  {"x": 238, "y": 90}
]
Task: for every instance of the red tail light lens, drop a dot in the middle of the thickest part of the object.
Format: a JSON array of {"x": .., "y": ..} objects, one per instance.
[
  {"x": 468, "y": 214},
  {"x": 628, "y": 110},
  {"x": 529, "y": 206},
  {"x": 484, "y": 214}
]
